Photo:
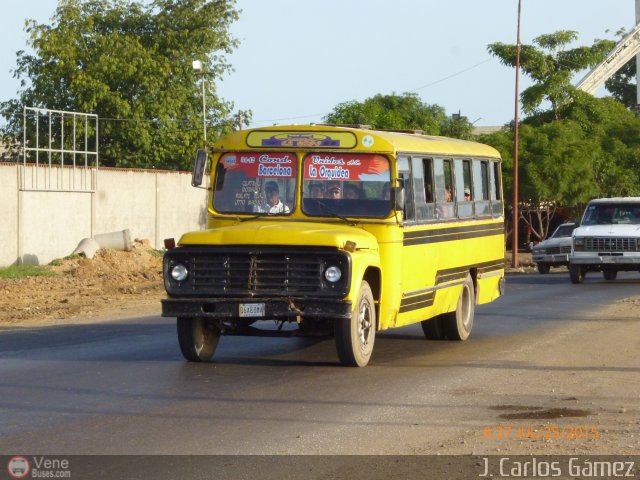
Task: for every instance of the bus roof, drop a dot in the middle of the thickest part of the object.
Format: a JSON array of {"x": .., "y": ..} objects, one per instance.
[{"x": 332, "y": 138}]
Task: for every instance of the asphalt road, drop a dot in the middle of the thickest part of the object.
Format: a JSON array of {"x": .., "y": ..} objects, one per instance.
[{"x": 123, "y": 388}]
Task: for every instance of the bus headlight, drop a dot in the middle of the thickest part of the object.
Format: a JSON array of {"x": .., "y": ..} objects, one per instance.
[
  {"x": 333, "y": 274},
  {"x": 179, "y": 273}
]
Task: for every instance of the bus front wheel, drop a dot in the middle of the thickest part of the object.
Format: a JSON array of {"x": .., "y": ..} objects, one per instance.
[
  {"x": 355, "y": 336},
  {"x": 458, "y": 324},
  {"x": 197, "y": 338}
]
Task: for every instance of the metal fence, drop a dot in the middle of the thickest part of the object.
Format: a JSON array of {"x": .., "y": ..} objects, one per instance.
[{"x": 61, "y": 139}]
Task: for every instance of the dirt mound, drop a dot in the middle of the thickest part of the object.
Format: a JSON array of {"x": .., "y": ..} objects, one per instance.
[{"x": 109, "y": 285}]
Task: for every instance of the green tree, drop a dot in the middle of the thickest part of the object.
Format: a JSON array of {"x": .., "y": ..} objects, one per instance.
[
  {"x": 551, "y": 66},
  {"x": 622, "y": 84},
  {"x": 130, "y": 62},
  {"x": 555, "y": 168},
  {"x": 400, "y": 112}
]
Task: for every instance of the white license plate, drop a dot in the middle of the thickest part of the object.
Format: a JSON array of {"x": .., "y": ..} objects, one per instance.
[
  {"x": 607, "y": 259},
  {"x": 252, "y": 309}
]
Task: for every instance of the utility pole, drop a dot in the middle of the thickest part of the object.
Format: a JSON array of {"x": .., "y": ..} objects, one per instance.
[
  {"x": 516, "y": 215},
  {"x": 637, "y": 57}
]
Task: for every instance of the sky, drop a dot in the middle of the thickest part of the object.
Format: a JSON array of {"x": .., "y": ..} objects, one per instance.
[{"x": 298, "y": 59}]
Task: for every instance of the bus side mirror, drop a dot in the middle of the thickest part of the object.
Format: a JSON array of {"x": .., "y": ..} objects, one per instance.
[
  {"x": 198, "y": 168},
  {"x": 398, "y": 198}
]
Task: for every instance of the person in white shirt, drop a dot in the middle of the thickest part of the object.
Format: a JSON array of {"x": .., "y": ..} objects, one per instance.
[{"x": 274, "y": 204}]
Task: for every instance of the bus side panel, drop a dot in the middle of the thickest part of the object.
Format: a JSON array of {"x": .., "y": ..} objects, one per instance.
[{"x": 434, "y": 270}]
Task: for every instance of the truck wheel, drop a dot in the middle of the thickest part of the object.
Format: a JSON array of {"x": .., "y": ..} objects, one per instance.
[
  {"x": 433, "y": 329},
  {"x": 458, "y": 324},
  {"x": 198, "y": 339},
  {"x": 543, "y": 268},
  {"x": 609, "y": 274},
  {"x": 355, "y": 337},
  {"x": 576, "y": 273}
]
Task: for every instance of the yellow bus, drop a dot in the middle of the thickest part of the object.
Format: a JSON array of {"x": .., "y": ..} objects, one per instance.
[{"x": 328, "y": 230}]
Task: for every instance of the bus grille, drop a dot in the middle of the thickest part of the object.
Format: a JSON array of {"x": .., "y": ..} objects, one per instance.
[
  {"x": 608, "y": 244},
  {"x": 262, "y": 273}
]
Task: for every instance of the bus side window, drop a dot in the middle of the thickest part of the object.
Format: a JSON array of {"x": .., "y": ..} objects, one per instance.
[
  {"x": 423, "y": 188},
  {"x": 481, "y": 183},
  {"x": 443, "y": 174},
  {"x": 496, "y": 190},
  {"x": 464, "y": 188},
  {"x": 404, "y": 175}
]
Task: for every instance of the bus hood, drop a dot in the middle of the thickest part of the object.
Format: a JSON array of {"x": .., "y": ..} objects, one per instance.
[{"x": 256, "y": 232}]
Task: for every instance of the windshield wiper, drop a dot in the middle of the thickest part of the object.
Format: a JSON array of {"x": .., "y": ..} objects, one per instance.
[{"x": 330, "y": 211}]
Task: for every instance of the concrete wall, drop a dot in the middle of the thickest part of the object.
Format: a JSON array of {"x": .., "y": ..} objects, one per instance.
[{"x": 37, "y": 226}]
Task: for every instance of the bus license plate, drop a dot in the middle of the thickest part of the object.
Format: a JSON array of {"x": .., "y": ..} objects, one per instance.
[{"x": 252, "y": 309}]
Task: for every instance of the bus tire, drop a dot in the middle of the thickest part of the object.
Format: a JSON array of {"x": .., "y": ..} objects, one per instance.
[
  {"x": 576, "y": 273},
  {"x": 198, "y": 339},
  {"x": 355, "y": 336},
  {"x": 433, "y": 329},
  {"x": 458, "y": 324},
  {"x": 543, "y": 268}
]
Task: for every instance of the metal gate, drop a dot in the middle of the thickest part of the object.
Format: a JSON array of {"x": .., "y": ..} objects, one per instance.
[{"x": 60, "y": 151}]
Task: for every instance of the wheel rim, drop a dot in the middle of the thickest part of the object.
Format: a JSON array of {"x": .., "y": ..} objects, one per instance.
[
  {"x": 364, "y": 325},
  {"x": 202, "y": 336}
]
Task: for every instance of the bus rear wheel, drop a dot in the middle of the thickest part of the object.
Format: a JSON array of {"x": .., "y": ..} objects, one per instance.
[
  {"x": 457, "y": 325},
  {"x": 355, "y": 336},
  {"x": 197, "y": 338},
  {"x": 433, "y": 329}
]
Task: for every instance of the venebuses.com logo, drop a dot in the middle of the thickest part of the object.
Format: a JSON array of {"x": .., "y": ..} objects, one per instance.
[
  {"x": 18, "y": 467},
  {"x": 38, "y": 467}
]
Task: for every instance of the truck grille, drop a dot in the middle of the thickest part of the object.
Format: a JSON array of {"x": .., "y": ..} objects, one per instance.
[
  {"x": 556, "y": 250},
  {"x": 235, "y": 271},
  {"x": 608, "y": 244}
]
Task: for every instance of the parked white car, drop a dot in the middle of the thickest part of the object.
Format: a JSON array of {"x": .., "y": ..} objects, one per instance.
[
  {"x": 555, "y": 250},
  {"x": 608, "y": 239}
]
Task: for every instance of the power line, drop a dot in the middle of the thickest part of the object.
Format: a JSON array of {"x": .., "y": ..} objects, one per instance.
[{"x": 453, "y": 75}]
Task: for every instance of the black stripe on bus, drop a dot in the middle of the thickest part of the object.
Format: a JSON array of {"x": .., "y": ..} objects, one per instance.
[
  {"x": 452, "y": 233},
  {"x": 448, "y": 275},
  {"x": 456, "y": 273},
  {"x": 419, "y": 301}
]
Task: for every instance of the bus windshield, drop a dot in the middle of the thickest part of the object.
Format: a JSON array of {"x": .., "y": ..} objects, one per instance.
[
  {"x": 257, "y": 182},
  {"x": 348, "y": 185}
]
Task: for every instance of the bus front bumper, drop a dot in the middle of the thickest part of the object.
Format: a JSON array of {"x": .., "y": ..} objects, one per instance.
[{"x": 287, "y": 309}]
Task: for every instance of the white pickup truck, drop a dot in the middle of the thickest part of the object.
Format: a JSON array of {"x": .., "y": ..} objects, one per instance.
[{"x": 607, "y": 240}]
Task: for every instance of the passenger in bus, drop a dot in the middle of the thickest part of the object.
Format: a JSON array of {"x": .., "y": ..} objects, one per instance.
[
  {"x": 351, "y": 192},
  {"x": 334, "y": 191},
  {"x": 316, "y": 191},
  {"x": 445, "y": 209},
  {"x": 447, "y": 194},
  {"x": 467, "y": 194},
  {"x": 272, "y": 194}
]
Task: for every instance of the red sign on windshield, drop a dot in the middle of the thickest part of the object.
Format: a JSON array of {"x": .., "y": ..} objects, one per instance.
[
  {"x": 346, "y": 167},
  {"x": 256, "y": 165}
]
